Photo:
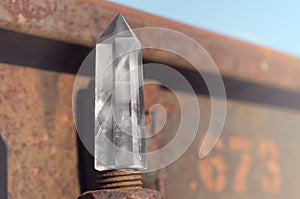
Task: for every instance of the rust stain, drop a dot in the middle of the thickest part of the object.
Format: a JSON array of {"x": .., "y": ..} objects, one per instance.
[
  {"x": 64, "y": 120},
  {"x": 193, "y": 185},
  {"x": 28, "y": 9},
  {"x": 35, "y": 157},
  {"x": 21, "y": 18},
  {"x": 122, "y": 194}
]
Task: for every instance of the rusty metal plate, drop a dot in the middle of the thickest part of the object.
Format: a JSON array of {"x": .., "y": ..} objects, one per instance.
[
  {"x": 36, "y": 125},
  {"x": 257, "y": 155},
  {"x": 122, "y": 193},
  {"x": 82, "y": 21}
]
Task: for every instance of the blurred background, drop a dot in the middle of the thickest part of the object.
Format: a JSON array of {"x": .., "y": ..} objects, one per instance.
[
  {"x": 272, "y": 24},
  {"x": 254, "y": 46}
]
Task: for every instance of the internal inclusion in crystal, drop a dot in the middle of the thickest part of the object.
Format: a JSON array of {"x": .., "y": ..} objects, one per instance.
[{"x": 119, "y": 99}]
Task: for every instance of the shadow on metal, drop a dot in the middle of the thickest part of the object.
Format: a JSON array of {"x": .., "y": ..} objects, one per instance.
[
  {"x": 46, "y": 54},
  {"x": 235, "y": 89},
  {"x": 85, "y": 134},
  {"x": 36, "y": 52},
  {"x": 3, "y": 170}
]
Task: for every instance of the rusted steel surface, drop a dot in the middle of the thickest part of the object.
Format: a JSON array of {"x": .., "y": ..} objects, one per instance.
[
  {"x": 153, "y": 96},
  {"x": 81, "y": 22},
  {"x": 36, "y": 125},
  {"x": 121, "y": 193},
  {"x": 257, "y": 155}
]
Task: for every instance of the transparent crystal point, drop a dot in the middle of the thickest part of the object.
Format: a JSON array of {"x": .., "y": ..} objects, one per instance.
[{"x": 119, "y": 99}]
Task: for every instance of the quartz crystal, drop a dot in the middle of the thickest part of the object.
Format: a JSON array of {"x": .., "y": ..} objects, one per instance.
[{"x": 119, "y": 99}]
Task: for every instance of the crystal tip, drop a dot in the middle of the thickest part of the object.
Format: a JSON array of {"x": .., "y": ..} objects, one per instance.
[{"x": 117, "y": 26}]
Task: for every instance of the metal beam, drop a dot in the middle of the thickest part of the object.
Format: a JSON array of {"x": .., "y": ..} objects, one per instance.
[{"x": 81, "y": 22}]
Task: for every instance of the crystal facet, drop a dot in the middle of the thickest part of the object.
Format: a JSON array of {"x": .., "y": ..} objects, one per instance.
[{"x": 119, "y": 99}]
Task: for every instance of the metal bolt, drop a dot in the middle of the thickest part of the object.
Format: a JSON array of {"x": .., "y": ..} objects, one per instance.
[
  {"x": 120, "y": 179},
  {"x": 122, "y": 184}
]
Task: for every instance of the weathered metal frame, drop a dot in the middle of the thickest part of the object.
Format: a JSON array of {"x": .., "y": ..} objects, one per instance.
[{"x": 81, "y": 21}]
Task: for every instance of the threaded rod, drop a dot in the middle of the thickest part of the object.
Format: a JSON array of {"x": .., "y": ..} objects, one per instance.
[{"x": 120, "y": 179}]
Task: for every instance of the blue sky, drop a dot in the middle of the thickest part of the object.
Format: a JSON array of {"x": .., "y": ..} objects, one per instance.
[{"x": 270, "y": 23}]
